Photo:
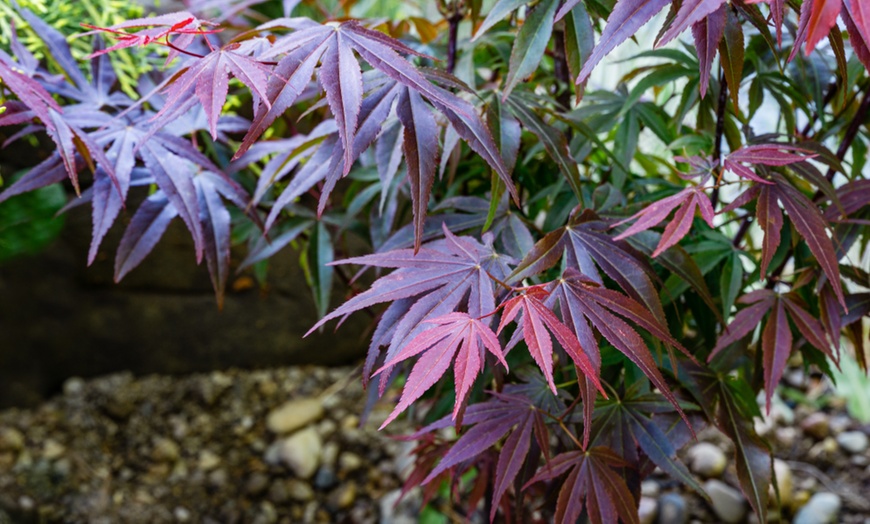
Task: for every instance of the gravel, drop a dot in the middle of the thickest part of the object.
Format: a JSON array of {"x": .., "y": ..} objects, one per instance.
[{"x": 222, "y": 447}]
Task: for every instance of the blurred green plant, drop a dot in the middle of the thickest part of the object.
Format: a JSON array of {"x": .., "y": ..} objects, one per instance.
[
  {"x": 28, "y": 222},
  {"x": 67, "y": 17},
  {"x": 853, "y": 385}
]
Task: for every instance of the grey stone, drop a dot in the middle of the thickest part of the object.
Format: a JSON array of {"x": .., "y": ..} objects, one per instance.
[
  {"x": 650, "y": 488},
  {"x": 855, "y": 442},
  {"x": 395, "y": 509},
  {"x": 257, "y": 483},
  {"x": 822, "y": 508},
  {"x": 301, "y": 452},
  {"x": 647, "y": 510},
  {"x": 73, "y": 386},
  {"x": 707, "y": 460},
  {"x": 672, "y": 509},
  {"x": 325, "y": 478},
  {"x": 727, "y": 502},
  {"x": 293, "y": 415}
]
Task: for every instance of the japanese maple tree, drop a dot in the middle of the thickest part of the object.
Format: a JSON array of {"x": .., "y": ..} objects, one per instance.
[{"x": 576, "y": 273}]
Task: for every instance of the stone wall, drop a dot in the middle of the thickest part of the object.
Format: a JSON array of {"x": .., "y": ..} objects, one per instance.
[{"x": 59, "y": 318}]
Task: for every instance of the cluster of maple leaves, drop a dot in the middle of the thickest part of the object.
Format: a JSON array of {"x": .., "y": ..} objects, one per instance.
[{"x": 582, "y": 297}]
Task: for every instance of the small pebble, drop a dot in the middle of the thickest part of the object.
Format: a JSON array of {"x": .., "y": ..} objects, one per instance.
[
  {"x": 165, "y": 450},
  {"x": 673, "y": 509},
  {"x": 727, "y": 502},
  {"x": 822, "y": 508},
  {"x": 707, "y": 460},
  {"x": 293, "y": 415},
  {"x": 855, "y": 442},
  {"x": 349, "y": 462},
  {"x": 816, "y": 425},
  {"x": 784, "y": 483},
  {"x": 325, "y": 478},
  {"x": 647, "y": 510},
  {"x": 301, "y": 452},
  {"x": 11, "y": 440}
]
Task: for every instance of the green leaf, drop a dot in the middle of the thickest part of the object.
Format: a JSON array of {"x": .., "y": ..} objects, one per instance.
[
  {"x": 530, "y": 44},
  {"x": 28, "y": 223},
  {"x": 730, "y": 282},
  {"x": 553, "y": 140},
  {"x": 731, "y": 53},
  {"x": 579, "y": 41},
  {"x": 319, "y": 275}
]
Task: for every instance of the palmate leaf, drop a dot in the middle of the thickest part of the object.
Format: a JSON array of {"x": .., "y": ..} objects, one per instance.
[
  {"x": 454, "y": 335},
  {"x": 585, "y": 305},
  {"x": 587, "y": 247},
  {"x": 208, "y": 79},
  {"x": 591, "y": 478},
  {"x": 776, "y": 337},
  {"x": 802, "y": 213},
  {"x": 628, "y": 417},
  {"x": 443, "y": 277},
  {"x": 690, "y": 12},
  {"x": 626, "y": 18},
  {"x": 686, "y": 202},
  {"x": 514, "y": 412},
  {"x": 538, "y": 323}
]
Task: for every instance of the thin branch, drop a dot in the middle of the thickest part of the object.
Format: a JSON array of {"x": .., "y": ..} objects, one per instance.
[
  {"x": 453, "y": 22},
  {"x": 720, "y": 131}
]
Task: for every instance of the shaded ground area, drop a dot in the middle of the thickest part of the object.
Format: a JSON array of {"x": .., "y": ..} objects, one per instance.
[
  {"x": 257, "y": 447},
  {"x": 285, "y": 446}
]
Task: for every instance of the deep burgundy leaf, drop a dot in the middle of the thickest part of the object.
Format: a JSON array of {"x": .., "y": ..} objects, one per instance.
[
  {"x": 707, "y": 33},
  {"x": 342, "y": 80},
  {"x": 175, "y": 178},
  {"x": 538, "y": 323},
  {"x": 455, "y": 335},
  {"x": 776, "y": 342},
  {"x": 208, "y": 78},
  {"x": 812, "y": 227},
  {"x": 770, "y": 219},
  {"x": 30, "y": 92},
  {"x": 857, "y": 19},
  {"x": 691, "y": 12},
  {"x": 626, "y": 18},
  {"x": 686, "y": 201},
  {"x": 288, "y": 80},
  {"x": 421, "y": 153},
  {"x": 744, "y": 322},
  {"x": 511, "y": 458},
  {"x": 145, "y": 229},
  {"x": 215, "y": 219}
]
